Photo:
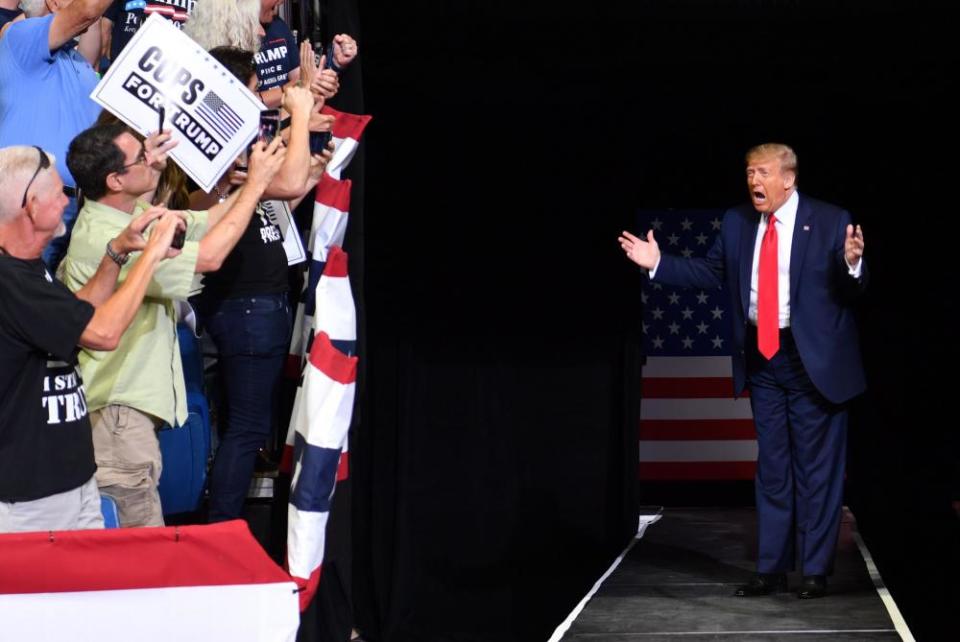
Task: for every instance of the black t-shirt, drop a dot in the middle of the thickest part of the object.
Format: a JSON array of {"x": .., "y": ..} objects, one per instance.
[
  {"x": 46, "y": 446},
  {"x": 128, "y": 15},
  {"x": 278, "y": 55},
  {"x": 6, "y": 15},
  {"x": 257, "y": 265}
]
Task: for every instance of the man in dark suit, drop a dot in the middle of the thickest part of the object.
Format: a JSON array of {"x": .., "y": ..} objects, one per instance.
[{"x": 793, "y": 266}]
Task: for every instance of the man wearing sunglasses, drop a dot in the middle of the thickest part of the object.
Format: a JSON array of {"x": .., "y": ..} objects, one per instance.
[
  {"x": 45, "y": 87},
  {"x": 134, "y": 389},
  {"x": 46, "y": 452}
]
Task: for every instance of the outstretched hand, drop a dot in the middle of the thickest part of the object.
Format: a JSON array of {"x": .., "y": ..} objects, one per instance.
[
  {"x": 156, "y": 147},
  {"x": 853, "y": 245},
  {"x": 645, "y": 253}
]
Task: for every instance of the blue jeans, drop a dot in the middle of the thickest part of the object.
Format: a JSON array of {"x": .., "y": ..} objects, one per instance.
[
  {"x": 252, "y": 335},
  {"x": 57, "y": 248}
]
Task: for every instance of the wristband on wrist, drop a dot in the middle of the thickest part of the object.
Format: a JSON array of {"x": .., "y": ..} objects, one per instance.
[{"x": 116, "y": 257}]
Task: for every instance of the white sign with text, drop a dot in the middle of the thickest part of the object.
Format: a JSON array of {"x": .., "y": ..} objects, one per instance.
[{"x": 211, "y": 113}]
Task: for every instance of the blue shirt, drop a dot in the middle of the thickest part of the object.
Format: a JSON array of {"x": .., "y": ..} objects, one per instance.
[
  {"x": 44, "y": 95},
  {"x": 278, "y": 55}
]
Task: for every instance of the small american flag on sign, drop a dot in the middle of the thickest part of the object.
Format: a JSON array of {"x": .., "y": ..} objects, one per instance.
[
  {"x": 691, "y": 427},
  {"x": 218, "y": 116}
]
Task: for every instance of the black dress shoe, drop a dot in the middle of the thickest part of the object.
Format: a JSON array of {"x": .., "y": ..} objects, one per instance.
[
  {"x": 812, "y": 587},
  {"x": 763, "y": 584}
]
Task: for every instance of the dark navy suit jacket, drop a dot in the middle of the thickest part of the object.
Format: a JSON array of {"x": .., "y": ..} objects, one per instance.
[{"x": 821, "y": 292}]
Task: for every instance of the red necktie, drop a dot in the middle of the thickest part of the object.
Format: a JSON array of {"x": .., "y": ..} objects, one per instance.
[{"x": 768, "y": 300}]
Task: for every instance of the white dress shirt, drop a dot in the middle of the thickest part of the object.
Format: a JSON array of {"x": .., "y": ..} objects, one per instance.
[{"x": 786, "y": 220}]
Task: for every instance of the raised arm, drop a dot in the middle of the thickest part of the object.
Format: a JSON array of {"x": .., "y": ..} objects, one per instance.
[
  {"x": 73, "y": 19},
  {"x": 231, "y": 224},
  {"x": 114, "y": 314},
  {"x": 291, "y": 180}
]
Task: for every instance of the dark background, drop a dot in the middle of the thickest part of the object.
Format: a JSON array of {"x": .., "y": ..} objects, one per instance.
[{"x": 512, "y": 141}]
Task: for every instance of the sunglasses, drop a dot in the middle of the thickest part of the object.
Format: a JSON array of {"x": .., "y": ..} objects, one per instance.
[{"x": 44, "y": 164}]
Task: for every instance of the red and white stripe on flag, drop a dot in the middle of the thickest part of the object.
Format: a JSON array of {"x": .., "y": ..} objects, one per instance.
[
  {"x": 335, "y": 316},
  {"x": 210, "y": 582},
  {"x": 330, "y": 212},
  {"x": 691, "y": 426},
  {"x": 320, "y": 425},
  {"x": 330, "y": 217},
  {"x": 347, "y": 130}
]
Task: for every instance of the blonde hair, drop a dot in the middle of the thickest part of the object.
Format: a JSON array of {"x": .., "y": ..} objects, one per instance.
[
  {"x": 219, "y": 23},
  {"x": 17, "y": 164},
  {"x": 783, "y": 153}
]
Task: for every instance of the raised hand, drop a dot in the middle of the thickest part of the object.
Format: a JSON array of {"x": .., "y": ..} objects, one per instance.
[
  {"x": 853, "y": 245},
  {"x": 321, "y": 122},
  {"x": 265, "y": 162},
  {"x": 326, "y": 83},
  {"x": 645, "y": 253},
  {"x": 297, "y": 101},
  {"x": 308, "y": 64},
  {"x": 344, "y": 49},
  {"x": 319, "y": 162},
  {"x": 132, "y": 239},
  {"x": 156, "y": 146},
  {"x": 161, "y": 235}
]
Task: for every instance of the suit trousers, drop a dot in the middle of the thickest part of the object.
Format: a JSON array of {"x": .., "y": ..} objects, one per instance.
[{"x": 801, "y": 457}]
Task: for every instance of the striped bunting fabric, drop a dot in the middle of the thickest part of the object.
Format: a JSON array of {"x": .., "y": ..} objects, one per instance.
[
  {"x": 347, "y": 130},
  {"x": 319, "y": 427},
  {"x": 330, "y": 216},
  {"x": 211, "y": 582},
  {"x": 691, "y": 427},
  {"x": 322, "y": 356}
]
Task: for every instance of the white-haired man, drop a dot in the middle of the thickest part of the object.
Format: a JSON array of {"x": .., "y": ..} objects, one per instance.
[
  {"x": 46, "y": 451},
  {"x": 45, "y": 87}
]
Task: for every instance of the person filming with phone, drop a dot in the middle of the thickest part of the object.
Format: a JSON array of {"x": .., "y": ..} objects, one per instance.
[
  {"x": 46, "y": 453},
  {"x": 132, "y": 390}
]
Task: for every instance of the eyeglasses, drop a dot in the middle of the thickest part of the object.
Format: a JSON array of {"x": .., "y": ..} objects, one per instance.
[
  {"x": 44, "y": 164},
  {"x": 141, "y": 158}
]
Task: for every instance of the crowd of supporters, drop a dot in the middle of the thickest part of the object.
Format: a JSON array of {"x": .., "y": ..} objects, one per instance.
[{"x": 92, "y": 283}]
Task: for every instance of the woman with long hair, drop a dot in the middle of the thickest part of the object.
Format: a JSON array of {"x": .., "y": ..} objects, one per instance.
[{"x": 225, "y": 23}]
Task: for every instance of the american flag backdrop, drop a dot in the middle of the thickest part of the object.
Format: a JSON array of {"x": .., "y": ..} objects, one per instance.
[{"x": 691, "y": 427}]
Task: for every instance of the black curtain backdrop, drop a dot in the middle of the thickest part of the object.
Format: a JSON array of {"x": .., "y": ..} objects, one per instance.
[{"x": 512, "y": 141}]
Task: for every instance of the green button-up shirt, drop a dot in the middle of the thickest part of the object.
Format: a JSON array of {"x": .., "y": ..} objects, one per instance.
[{"x": 145, "y": 371}]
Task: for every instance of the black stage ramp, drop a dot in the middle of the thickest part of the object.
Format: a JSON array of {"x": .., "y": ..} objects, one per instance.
[{"x": 676, "y": 583}]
